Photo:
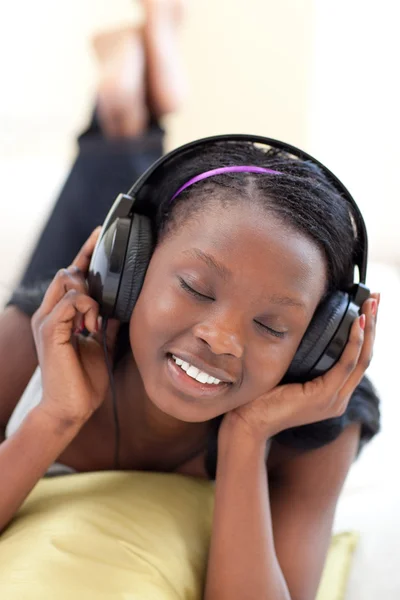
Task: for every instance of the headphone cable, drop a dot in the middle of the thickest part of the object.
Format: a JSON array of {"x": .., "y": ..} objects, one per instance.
[{"x": 113, "y": 394}]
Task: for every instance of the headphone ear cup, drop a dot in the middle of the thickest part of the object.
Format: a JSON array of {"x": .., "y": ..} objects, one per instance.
[
  {"x": 138, "y": 253},
  {"x": 318, "y": 337}
]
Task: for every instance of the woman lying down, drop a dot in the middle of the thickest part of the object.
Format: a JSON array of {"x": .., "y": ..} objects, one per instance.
[{"x": 251, "y": 248}]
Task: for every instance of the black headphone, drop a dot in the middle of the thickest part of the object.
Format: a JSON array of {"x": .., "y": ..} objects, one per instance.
[{"x": 125, "y": 246}]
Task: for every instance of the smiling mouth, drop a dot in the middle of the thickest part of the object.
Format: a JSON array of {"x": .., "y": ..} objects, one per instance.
[{"x": 190, "y": 385}]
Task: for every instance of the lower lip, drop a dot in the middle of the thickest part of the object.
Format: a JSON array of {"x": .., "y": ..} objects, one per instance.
[{"x": 191, "y": 386}]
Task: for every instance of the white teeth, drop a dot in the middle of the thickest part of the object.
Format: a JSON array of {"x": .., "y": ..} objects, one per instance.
[
  {"x": 202, "y": 377},
  {"x": 192, "y": 372},
  {"x": 195, "y": 373}
]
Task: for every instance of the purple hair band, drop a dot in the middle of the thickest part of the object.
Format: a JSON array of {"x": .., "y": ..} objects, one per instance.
[{"x": 219, "y": 171}]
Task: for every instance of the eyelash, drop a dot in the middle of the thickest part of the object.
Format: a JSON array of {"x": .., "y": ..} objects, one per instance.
[
  {"x": 203, "y": 298},
  {"x": 194, "y": 293}
]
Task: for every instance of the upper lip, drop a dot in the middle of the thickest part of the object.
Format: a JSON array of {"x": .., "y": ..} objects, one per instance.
[{"x": 202, "y": 366}]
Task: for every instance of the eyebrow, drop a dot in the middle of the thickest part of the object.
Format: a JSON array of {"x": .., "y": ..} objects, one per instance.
[
  {"x": 226, "y": 274},
  {"x": 286, "y": 301},
  {"x": 211, "y": 262}
]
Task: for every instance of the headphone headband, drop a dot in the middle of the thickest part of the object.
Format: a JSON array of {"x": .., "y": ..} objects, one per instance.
[
  {"x": 141, "y": 190},
  {"x": 221, "y": 171}
]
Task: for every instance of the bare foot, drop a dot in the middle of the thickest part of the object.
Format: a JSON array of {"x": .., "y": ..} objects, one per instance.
[
  {"x": 140, "y": 70},
  {"x": 165, "y": 78},
  {"x": 121, "y": 95}
]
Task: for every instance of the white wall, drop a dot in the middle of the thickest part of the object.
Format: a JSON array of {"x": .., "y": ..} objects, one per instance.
[
  {"x": 353, "y": 114},
  {"x": 248, "y": 63}
]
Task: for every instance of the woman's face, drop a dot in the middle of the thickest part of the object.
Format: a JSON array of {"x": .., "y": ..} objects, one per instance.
[{"x": 231, "y": 293}]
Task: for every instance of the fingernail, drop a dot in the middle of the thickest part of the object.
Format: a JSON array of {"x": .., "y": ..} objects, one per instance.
[
  {"x": 374, "y": 306},
  {"x": 362, "y": 322}
]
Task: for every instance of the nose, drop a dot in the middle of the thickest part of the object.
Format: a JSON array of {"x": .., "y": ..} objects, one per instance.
[{"x": 222, "y": 336}]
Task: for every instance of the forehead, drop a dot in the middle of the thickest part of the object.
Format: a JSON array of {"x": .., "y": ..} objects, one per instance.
[{"x": 254, "y": 245}]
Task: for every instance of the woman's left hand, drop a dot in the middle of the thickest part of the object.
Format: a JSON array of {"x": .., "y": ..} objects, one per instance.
[{"x": 327, "y": 396}]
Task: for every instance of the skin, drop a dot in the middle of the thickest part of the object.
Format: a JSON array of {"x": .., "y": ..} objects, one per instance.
[
  {"x": 18, "y": 349},
  {"x": 278, "y": 277}
]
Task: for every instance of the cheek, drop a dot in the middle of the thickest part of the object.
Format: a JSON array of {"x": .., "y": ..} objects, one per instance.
[
  {"x": 273, "y": 366},
  {"x": 276, "y": 358},
  {"x": 157, "y": 313},
  {"x": 265, "y": 369}
]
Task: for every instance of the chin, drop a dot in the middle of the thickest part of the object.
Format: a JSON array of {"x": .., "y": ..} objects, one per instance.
[{"x": 183, "y": 410}]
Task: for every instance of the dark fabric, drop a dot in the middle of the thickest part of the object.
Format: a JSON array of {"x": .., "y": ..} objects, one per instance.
[{"x": 102, "y": 169}]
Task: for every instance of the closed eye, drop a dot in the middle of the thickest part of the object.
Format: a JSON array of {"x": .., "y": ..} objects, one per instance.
[
  {"x": 274, "y": 332},
  {"x": 192, "y": 291},
  {"x": 203, "y": 298}
]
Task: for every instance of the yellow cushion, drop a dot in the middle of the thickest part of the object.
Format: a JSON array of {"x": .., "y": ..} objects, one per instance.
[
  {"x": 337, "y": 566},
  {"x": 125, "y": 536}
]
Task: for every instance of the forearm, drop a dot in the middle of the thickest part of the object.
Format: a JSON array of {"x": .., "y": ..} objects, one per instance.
[
  {"x": 242, "y": 563},
  {"x": 18, "y": 358},
  {"x": 26, "y": 456}
]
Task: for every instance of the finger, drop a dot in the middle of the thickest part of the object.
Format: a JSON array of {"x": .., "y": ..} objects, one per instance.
[
  {"x": 366, "y": 351},
  {"x": 58, "y": 325},
  {"x": 336, "y": 377},
  {"x": 376, "y": 296},
  {"x": 372, "y": 303},
  {"x": 82, "y": 259},
  {"x": 64, "y": 281}
]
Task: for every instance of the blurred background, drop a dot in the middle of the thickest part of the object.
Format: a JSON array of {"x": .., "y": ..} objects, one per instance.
[{"x": 320, "y": 74}]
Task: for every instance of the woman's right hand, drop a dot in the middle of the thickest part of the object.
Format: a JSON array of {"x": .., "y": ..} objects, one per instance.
[{"x": 74, "y": 371}]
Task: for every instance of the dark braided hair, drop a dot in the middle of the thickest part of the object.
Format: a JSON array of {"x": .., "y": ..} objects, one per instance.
[{"x": 301, "y": 197}]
